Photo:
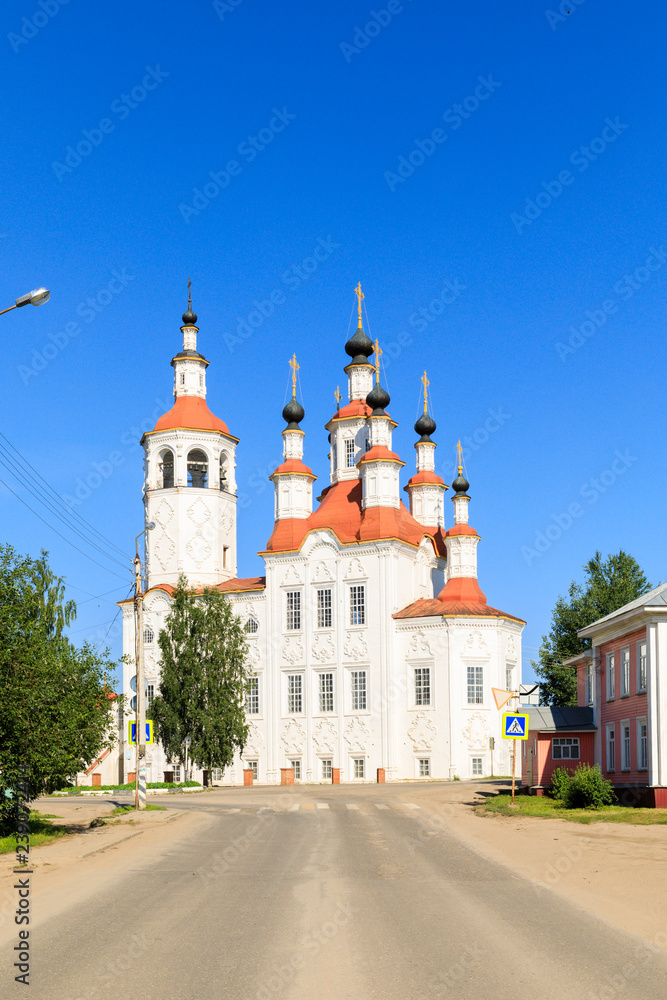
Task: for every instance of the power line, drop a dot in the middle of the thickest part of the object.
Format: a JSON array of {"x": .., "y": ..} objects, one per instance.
[
  {"x": 60, "y": 501},
  {"x": 21, "y": 478},
  {"x": 106, "y": 570}
]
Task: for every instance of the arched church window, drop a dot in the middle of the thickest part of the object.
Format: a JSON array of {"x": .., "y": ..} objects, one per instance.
[
  {"x": 252, "y": 625},
  {"x": 182, "y": 378},
  {"x": 334, "y": 456},
  {"x": 197, "y": 469},
  {"x": 149, "y": 635},
  {"x": 223, "y": 471},
  {"x": 166, "y": 467}
]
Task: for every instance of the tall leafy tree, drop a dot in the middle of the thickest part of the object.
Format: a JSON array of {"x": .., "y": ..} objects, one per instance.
[
  {"x": 609, "y": 584},
  {"x": 56, "y": 710},
  {"x": 199, "y": 710}
]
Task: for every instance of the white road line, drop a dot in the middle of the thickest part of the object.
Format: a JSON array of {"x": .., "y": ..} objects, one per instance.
[
  {"x": 234, "y": 810},
  {"x": 411, "y": 805},
  {"x": 351, "y": 805},
  {"x": 379, "y": 805},
  {"x": 294, "y": 808},
  {"x": 322, "y": 805}
]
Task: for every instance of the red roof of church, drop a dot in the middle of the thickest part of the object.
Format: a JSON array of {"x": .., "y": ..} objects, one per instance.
[
  {"x": 424, "y": 477},
  {"x": 340, "y": 511},
  {"x": 356, "y": 408},
  {"x": 228, "y": 587},
  {"x": 191, "y": 412},
  {"x": 430, "y": 608},
  {"x": 294, "y": 465}
]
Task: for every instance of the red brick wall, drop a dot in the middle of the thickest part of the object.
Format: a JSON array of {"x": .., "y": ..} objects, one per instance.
[{"x": 621, "y": 709}]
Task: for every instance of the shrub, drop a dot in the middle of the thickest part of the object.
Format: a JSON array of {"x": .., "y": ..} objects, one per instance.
[
  {"x": 560, "y": 780},
  {"x": 587, "y": 789}
]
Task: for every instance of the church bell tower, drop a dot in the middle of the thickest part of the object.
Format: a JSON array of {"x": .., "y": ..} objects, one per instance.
[{"x": 189, "y": 485}]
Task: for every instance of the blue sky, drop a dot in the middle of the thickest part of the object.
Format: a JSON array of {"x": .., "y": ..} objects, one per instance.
[{"x": 490, "y": 173}]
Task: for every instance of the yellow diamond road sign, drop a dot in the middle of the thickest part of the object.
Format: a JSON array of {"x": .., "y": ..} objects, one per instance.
[{"x": 515, "y": 726}]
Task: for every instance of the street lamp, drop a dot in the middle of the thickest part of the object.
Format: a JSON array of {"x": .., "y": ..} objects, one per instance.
[
  {"x": 35, "y": 298},
  {"x": 140, "y": 770}
]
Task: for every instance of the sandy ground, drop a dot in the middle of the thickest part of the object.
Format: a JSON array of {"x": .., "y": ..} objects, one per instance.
[{"x": 610, "y": 869}]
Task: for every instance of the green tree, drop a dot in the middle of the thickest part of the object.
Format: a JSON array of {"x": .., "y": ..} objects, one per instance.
[
  {"x": 199, "y": 711},
  {"x": 609, "y": 584},
  {"x": 55, "y": 711}
]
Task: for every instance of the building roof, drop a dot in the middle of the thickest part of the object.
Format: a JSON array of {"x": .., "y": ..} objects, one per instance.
[
  {"x": 585, "y": 654},
  {"x": 656, "y": 598},
  {"x": 193, "y": 413},
  {"x": 428, "y": 608},
  {"x": 340, "y": 512},
  {"x": 546, "y": 719},
  {"x": 228, "y": 587}
]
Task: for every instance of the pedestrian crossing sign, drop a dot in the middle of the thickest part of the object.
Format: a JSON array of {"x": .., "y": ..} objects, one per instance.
[
  {"x": 515, "y": 726},
  {"x": 132, "y": 732}
]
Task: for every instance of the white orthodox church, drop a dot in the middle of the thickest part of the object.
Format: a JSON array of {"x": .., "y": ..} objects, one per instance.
[{"x": 372, "y": 645}]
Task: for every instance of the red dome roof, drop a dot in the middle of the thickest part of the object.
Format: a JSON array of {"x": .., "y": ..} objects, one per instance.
[{"x": 191, "y": 412}]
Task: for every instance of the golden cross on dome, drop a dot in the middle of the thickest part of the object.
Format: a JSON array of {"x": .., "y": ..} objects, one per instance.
[
  {"x": 378, "y": 352},
  {"x": 189, "y": 294},
  {"x": 360, "y": 295},
  {"x": 294, "y": 365},
  {"x": 337, "y": 396},
  {"x": 460, "y": 449},
  {"x": 426, "y": 385}
]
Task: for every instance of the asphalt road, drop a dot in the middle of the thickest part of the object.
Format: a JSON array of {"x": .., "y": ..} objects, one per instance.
[{"x": 317, "y": 892}]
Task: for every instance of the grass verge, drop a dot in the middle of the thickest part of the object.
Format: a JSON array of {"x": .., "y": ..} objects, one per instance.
[
  {"x": 41, "y": 832},
  {"x": 543, "y": 807}
]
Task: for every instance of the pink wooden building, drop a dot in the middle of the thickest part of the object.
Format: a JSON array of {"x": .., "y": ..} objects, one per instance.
[{"x": 557, "y": 737}]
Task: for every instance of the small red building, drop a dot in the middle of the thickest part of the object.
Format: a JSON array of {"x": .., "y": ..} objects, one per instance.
[{"x": 557, "y": 737}]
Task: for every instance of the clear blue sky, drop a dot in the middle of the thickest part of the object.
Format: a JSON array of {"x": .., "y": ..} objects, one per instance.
[{"x": 171, "y": 92}]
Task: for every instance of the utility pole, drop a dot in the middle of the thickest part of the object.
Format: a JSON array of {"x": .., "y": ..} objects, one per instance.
[{"x": 140, "y": 771}]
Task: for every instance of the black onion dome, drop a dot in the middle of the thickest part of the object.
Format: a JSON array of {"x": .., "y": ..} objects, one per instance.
[
  {"x": 189, "y": 318},
  {"x": 460, "y": 485},
  {"x": 378, "y": 398},
  {"x": 425, "y": 426},
  {"x": 293, "y": 414},
  {"x": 359, "y": 347}
]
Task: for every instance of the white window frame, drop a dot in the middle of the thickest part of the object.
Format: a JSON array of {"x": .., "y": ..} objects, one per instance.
[
  {"x": 626, "y": 745},
  {"x": 589, "y": 683},
  {"x": 642, "y": 666},
  {"x": 509, "y": 676},
  {"x": 294, "y": 692},
  {"x": 295, "y": 763},
  {"x": 251, "y": 626},
  {"x": 565, "y": 745},
  {"x": 423, "y": 767},
  {"x": 252, "y": 696},
  {"x": 252, "y": 765},
  {"x": 611, "y": 676},
  {"x": 324, "y": 608},
  {"x": 475, "y": 686},
  {"x": 326, "y": 768},
  {"x": 149, "y": 635},
  {"x": 325, "y": 694},
  {"x": 293, "y": 611},
  {"x": 359, "y": 693},
  {"x": 357, "y": 604},
  {"x": 358, "y": 764},
  {"x": 642, "y": 743},
  {"x": 610, "y": 745},
  {"x": 349, "y": 453},
  {"x": 150, "y": 694},
  {"x": 474, "y": 771},
  {"x": 422, "y": 686},
  {"x": 625, "y": 671}
]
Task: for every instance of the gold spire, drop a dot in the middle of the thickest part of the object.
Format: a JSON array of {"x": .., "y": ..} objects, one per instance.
[
  {"x": 378, "y": 352},
  {"x": 294, "y": 365},
  {"x": 426, "y": 382},
  {"x": 460, "y": 449},
  {"x": 337, "y": 397},
  {"x": 360, "y": 295},
  {"x": 189, "y": 295}
]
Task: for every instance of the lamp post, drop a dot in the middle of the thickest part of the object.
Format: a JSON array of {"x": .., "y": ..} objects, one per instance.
[
  {"x": 140, "y": 770},
  {"x": 35, "y": 298}
]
